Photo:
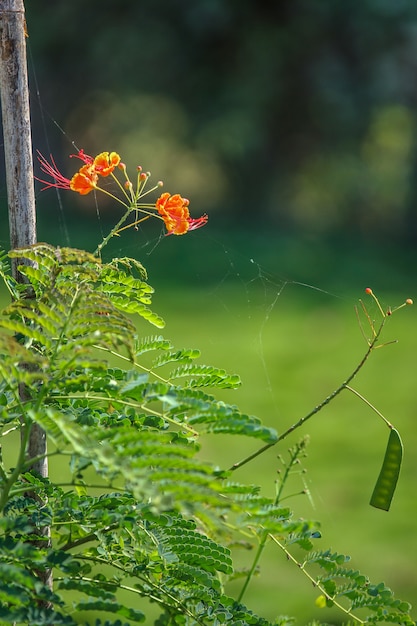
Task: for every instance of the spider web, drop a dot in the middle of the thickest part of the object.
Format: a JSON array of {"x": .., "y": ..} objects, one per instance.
[
  {"x": 243, "y": 316},
  {"x": 241, "y": 291}
]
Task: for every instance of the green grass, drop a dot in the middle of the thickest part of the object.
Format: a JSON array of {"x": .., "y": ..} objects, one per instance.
[{"x": 291, "y": 350}]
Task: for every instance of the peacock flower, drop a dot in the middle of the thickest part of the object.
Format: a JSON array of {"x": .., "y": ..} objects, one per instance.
[
  {"x": 174, "y": 211},
  {"x": 85, "y": 180},
  {"x": 106, "y": 162},
  {"x": 103, "y": 164}
]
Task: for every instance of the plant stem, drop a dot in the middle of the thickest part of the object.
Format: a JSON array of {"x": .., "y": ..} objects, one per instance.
[
  {"x": 317, "y": 408},
  {"x": 18, "y": 469},
  {"x": 130, "y": 403},
  {"x": 371, "y": 406},
  {"x": 315, "y": 582},
  {"x": 113, "y": 231},
  {"x": 91, "y": 537},
  {"x": 294, "y": 454},
  {"x": 148, "y": 584}
]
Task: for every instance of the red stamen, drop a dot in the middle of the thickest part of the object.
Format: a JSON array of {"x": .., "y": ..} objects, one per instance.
[{"x": 51, "y": 169}]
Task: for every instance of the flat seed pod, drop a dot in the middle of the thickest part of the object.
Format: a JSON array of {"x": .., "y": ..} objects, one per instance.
[{"x": 388, "y": 476}]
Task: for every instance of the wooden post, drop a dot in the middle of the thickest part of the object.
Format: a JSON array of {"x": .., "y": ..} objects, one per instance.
[
  {"x": 18, "y": 156},
  {"x": 16, "y": 124},
  {"x": 19, "y": 178}
]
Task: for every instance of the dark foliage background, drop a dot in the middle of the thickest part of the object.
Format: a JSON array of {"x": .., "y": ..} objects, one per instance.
[{"x": 291, "y": 118}]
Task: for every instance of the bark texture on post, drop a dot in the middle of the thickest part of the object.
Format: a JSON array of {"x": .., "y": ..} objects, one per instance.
[
  {"x": 16, "y": 124},
  {"x": 18, "y": 154},
  {"x": 19, "y": 179}
]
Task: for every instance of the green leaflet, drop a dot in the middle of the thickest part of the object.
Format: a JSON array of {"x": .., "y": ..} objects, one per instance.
[
  {"x": 37, "y": 616},
  {"x": 21, "y": 594},
  {"x": 130, "y": 305},
  {"x": 185, "y": 406},
  {"x": 82, "y": 303},
  {"x": 150, "y": 344},
  {"x": 206, "y": 376},
  {"x": 152, "y": 464},
  {"x": 27, "y": 331},
  {"x": 387, "y": 480},
  {"x": 47, "y": 267},
  {"x": 14, "y": 287},
  {"x": 68, "y": 332},
  {"x": 112, "y": 607},
  {"x": 213, "y": 416},
  {"x": 99, "y": 622},
  {"x": 90, "y": 587},
  {"x": 179, "y": 543},
  {"x": 166, "y": 522},
  {"x": 180, "y": 356},
  {"x": 5, "y": 269},
  {"x": 343, "y": 584},
  {"x": 120, "y": 282}
]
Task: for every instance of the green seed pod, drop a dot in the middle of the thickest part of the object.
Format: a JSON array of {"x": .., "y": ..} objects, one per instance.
[{"x": 388, "y": 477}]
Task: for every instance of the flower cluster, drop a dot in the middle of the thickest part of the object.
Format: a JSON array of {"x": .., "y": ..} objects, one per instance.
[
  {"x": 172, "y": 209},
  {"x": 86, "y": 179}
]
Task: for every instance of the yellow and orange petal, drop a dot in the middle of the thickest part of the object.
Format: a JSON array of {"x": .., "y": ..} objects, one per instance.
[
  {"x": 166, "y": 204},
  {"x": 106, "y": 162},
  {"x": 174, "y": 211},
  {"x": 84, "y": 181},
  {"x": 176, "y": 225}
]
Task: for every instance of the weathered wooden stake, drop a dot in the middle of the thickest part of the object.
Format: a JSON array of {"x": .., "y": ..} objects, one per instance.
[
  {"x": 18, "y": 155},
  {"x": 19, "y": 174},
  {"x": 16, "y": 124}
]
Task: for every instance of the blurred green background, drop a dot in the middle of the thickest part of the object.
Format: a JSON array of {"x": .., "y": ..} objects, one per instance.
[{"x": 293, "y": 124}]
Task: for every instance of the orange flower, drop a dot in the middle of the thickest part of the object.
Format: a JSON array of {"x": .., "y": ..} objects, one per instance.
[
  {"x": 174, "y": 211},
  {"x": 85, "y": 180},
  {"x": 105, "y": 162}
]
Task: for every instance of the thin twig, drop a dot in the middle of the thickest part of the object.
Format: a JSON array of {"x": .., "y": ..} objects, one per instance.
[
  {"x": 317, "y": 408},
  {"x": 371, "y": 406},
  {"x": 315, "y": 582}
]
